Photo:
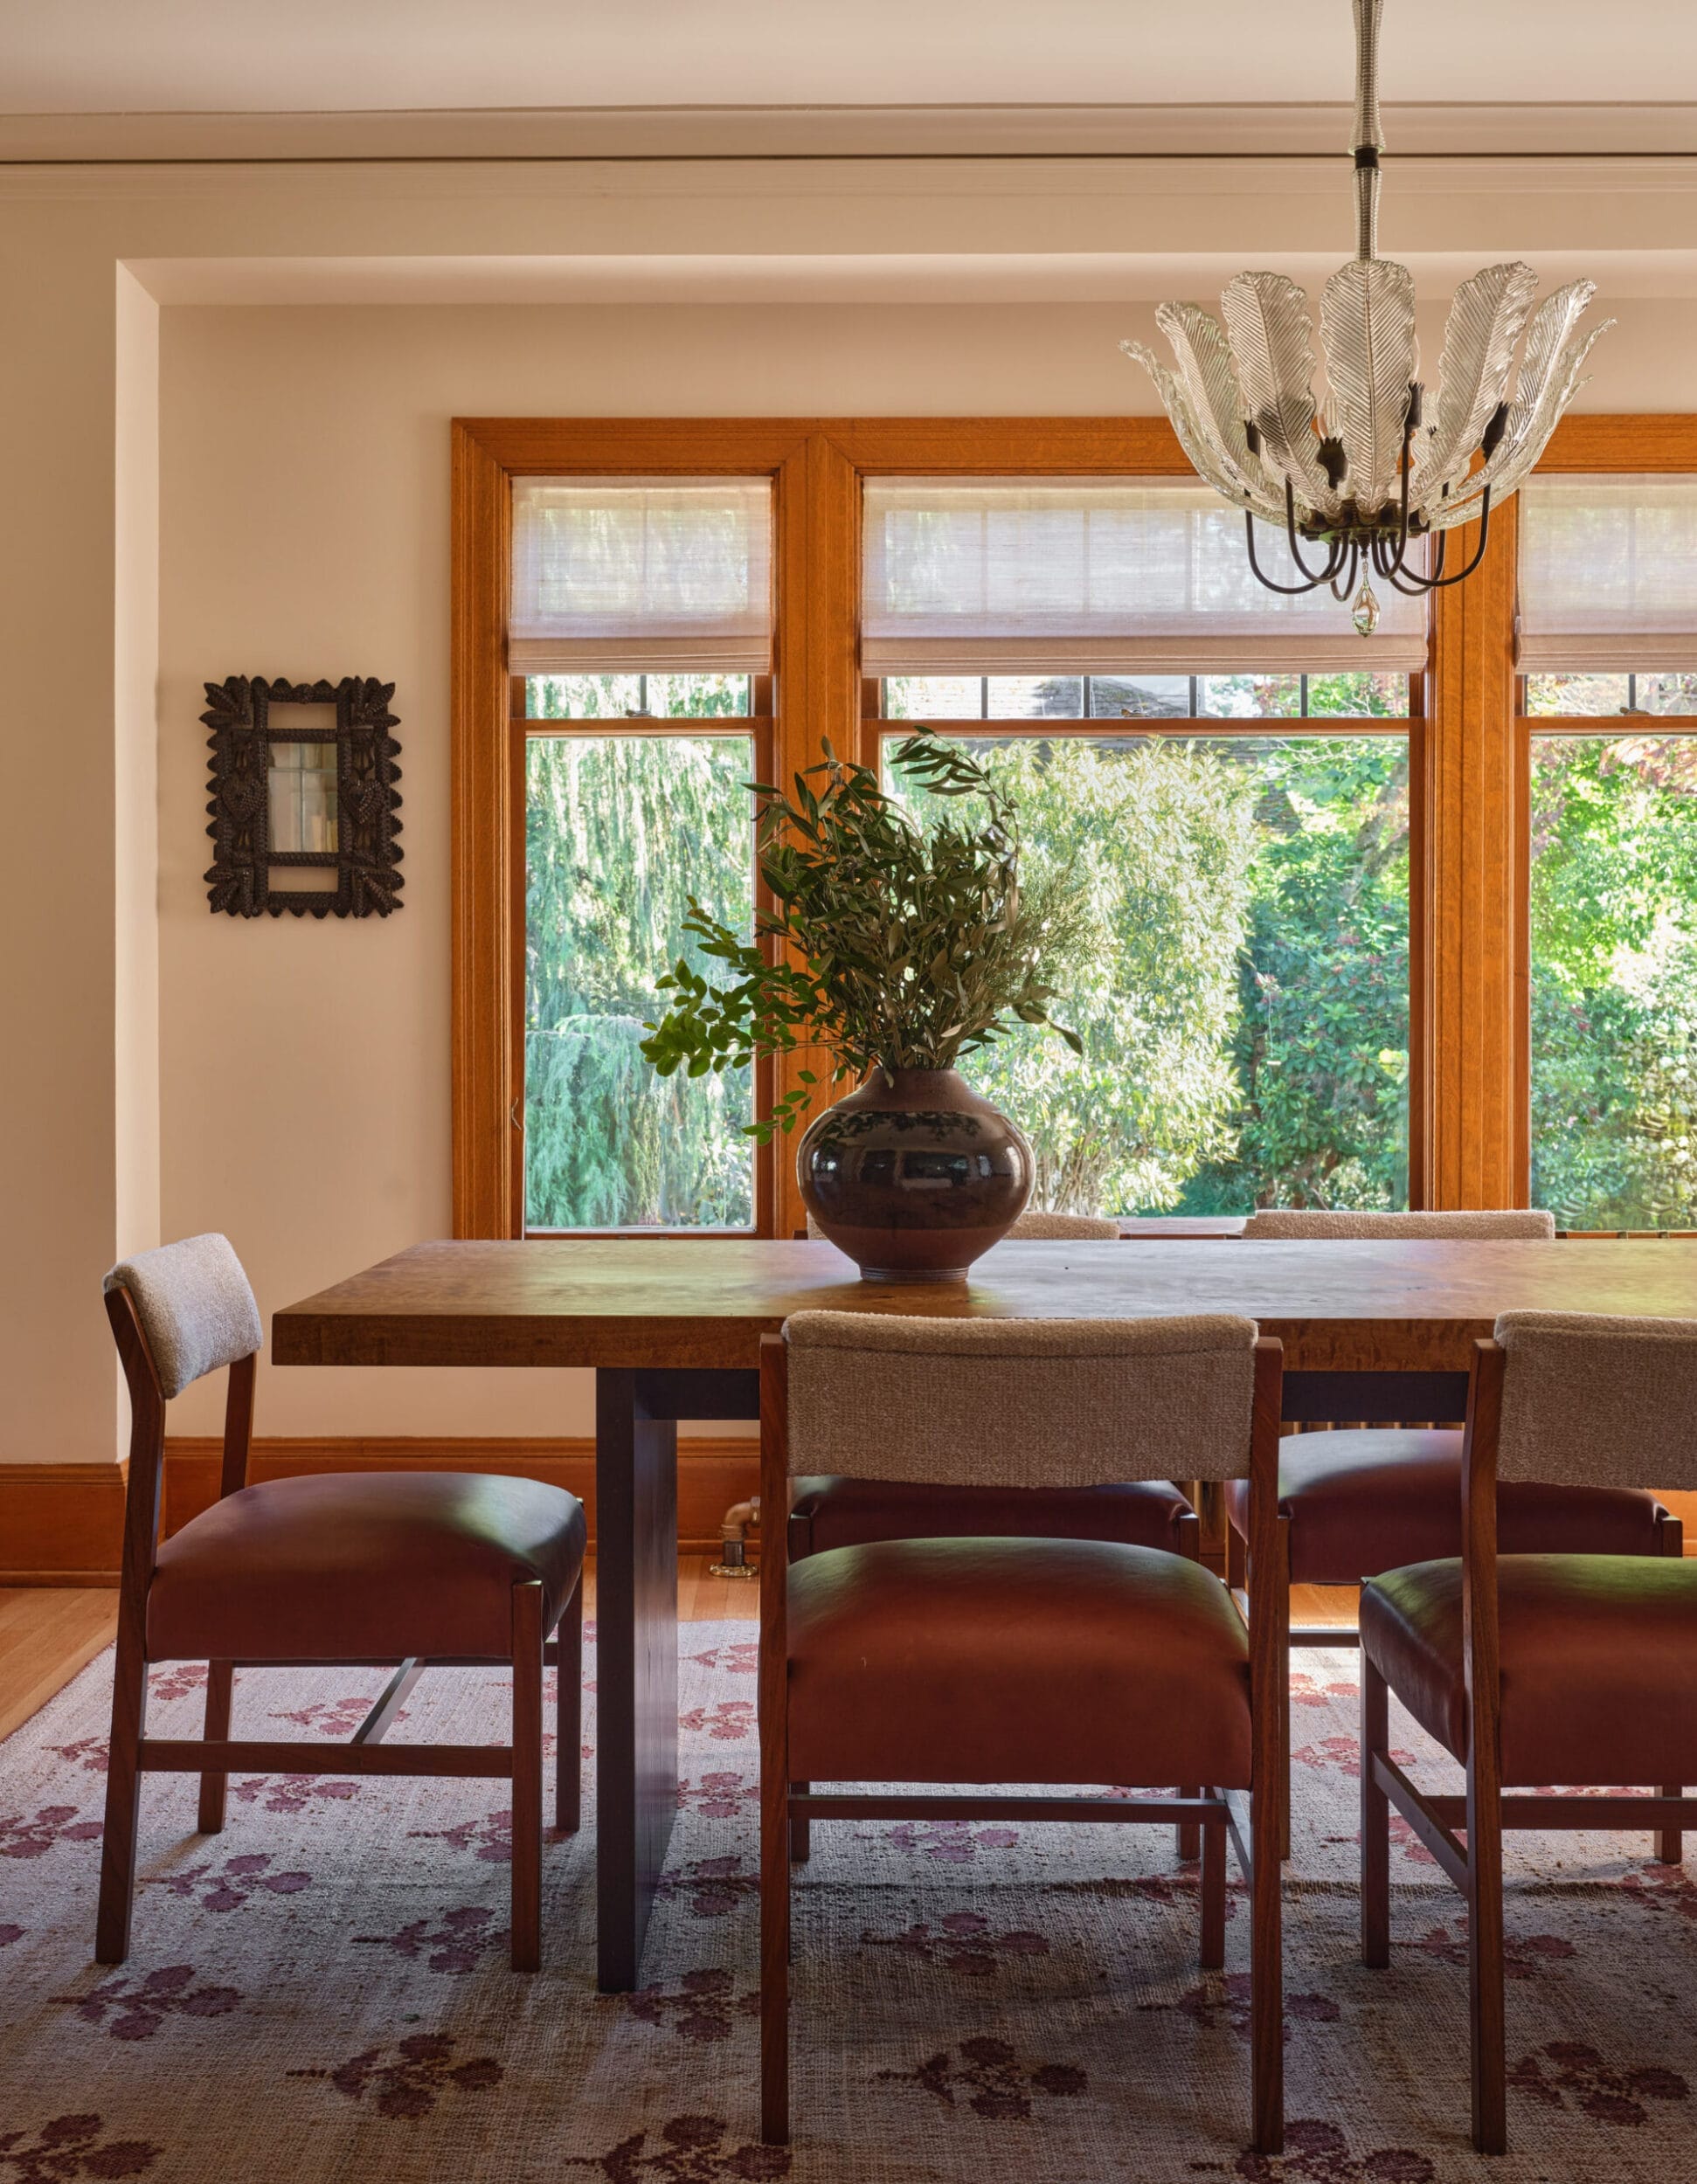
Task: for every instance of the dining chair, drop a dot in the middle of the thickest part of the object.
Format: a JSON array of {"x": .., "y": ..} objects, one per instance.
[
  {"x": 1537, "y": 1668},
  {"x": 415, "y": 1568},
  {"x": 1362, "y": 1499},
  {"x": 838, "y": 1511},
  {"x": 986, "y": 1661}
]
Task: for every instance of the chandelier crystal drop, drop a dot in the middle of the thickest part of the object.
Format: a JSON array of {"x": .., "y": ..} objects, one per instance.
[{"x": 1362, "y": 481}]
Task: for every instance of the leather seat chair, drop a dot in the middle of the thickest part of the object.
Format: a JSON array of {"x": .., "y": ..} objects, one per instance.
[
  {"x": 1538, "y": 1668},
  {"x": 991, "y": 1660},
  {"x": 402, "y": 1568},
  {"x": 1365, "y": 1499}
]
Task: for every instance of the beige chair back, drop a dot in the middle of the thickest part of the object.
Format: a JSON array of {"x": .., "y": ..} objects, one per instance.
[
  {"x": 1020, "y": 1402},
  {"x": 195, "y": 1306},
  {"x": 1303, "y": 1224},
  {"x": 1081, "y": 1227},
  {"x": 1591, "y": 1400}
]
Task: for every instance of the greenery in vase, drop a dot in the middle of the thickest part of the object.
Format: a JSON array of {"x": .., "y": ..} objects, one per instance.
[{"x": 893, "y": 945}]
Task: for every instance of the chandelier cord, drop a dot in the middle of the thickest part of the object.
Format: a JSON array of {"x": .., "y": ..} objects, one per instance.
[{"x": 1369, "y": 135}]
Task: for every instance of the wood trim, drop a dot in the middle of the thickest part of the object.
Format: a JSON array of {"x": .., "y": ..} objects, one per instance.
[
  {"x": 1631, "y": 443},
  {"x": 480, "y": 843},
  {"x": 1474, "y": 985},
  {"x": 62, "y": 1523}
]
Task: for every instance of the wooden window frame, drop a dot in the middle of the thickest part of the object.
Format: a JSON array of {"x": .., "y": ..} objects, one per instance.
[{"x": 1468, "y": 1014}]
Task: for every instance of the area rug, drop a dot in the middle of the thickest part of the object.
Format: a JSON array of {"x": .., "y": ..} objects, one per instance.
[{"x": 322, "y": 1993}]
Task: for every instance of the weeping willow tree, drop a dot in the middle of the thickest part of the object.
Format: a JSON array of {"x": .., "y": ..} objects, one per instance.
[{"x": 621, "y": 832}]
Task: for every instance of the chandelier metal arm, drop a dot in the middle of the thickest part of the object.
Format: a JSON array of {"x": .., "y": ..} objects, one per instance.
[
  {"x": 1437, "y": 582},
  {"x": 1290, "y": 591},
  {"x": 1334, "y": 552}
]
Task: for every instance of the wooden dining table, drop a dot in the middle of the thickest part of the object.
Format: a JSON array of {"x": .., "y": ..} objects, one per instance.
[{"x": 672, "y": 1329}]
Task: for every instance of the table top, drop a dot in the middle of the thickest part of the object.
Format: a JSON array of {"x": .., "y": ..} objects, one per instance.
[{"x": 1337, "y": 1306}]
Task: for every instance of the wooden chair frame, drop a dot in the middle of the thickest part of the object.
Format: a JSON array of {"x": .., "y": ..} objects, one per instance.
[
  {"x": 1251, "y": 1818},
  {"x": 1475, "y": 1866},
  {"x": 214, "y": 1756}
]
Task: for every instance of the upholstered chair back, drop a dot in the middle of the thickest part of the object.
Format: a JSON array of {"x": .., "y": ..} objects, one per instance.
[
  {"x": 1591, "y": 1400},
  {"x": 1301, "y": 1224},
  {"x": 1080, "y": 1228},
  {"x": 1020, "y": 1402},
  {"x": 195, "y": 1306}
]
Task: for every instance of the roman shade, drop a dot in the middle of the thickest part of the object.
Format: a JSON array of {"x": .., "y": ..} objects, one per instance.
[
  {"x": 641, "y": 575},
  {"x": 1096, "y": 576},
  {"x": 1608, "y": 575}
]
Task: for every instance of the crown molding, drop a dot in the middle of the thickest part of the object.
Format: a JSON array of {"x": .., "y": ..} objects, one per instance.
[{"x": 1416, "y": 132}]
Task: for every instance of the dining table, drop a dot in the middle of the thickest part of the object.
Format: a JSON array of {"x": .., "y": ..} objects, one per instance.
[{"x": 671, "y": 1328}]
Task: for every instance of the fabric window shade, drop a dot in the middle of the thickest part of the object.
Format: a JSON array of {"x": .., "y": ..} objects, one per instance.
[
  {"x": 634, "y": 575},
  {"x": 1608, "y": 575},
  {"x": 1095, "y": 576}
]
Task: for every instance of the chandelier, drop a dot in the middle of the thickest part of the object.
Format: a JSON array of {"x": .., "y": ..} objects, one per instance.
[{"x": 1367, "y": 481}]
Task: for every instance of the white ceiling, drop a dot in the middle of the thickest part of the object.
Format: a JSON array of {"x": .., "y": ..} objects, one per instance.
[{"x": 303, "y": 56}]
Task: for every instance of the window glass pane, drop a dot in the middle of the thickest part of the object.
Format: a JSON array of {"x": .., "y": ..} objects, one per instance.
[
  {"x": 1034, "y": 697},
  {"x": 934, "y": 697},
  {"x": 620, "y": 831},
  {"x": 618, "y": 698},
  {"x": 1614, "y": 980},
  {"x": 1359, "y": 697},
  {"x": 1140, "y": 697},
  {"x": 1664, "y": 694},
  {"x": 1243, "y": 995},
  {"x": 1548, "y": 694},
  {"x": 1251, "y": 697}
]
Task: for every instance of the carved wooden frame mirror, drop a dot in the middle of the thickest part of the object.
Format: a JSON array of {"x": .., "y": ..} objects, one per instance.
[{"x": 303, "y": 809}]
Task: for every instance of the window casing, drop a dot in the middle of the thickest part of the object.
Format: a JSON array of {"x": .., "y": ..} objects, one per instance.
[{"x": 1469, "y": 745}]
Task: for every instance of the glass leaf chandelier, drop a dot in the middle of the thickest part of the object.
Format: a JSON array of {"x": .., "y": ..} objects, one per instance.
[{"x": 1366, "y": 483}]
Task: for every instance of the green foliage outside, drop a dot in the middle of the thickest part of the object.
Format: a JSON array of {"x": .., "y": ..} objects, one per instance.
[
  {"x": 620, "y": 831},
  {"x": 1244, "y": 999},
  {"x": 1614, "y": 979}
]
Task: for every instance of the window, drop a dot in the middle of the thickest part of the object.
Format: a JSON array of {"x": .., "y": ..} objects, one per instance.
[
  {"x": 1244, "y": 995},
  {"x": 1608, "y": 627},
  {"x": 1441, "y": 815},
  {"x": 639, "y": 603}
]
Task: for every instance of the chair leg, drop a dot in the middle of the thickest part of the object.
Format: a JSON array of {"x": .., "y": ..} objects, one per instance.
[
  {"x": 1213, "y": 1899},
  {"x": 1670, "y": 1843},
  {"x": 569, "y": 1716},
  {"x": 1284, "y": 1760},
  {"x": 123, "y": 1804},
  {"x": 1266, "y": 1975},
  {"x": 1375, "y": 1821},
  {"x": 802, "y": 1837},
  {"x": 1189, "y": 1834},
  {"x": 1485, "y": 1985},
  {"x": 527, "y": 1777},
  {"x": 775, "y": 1973},
  {"x": 220, "y": 1681}
]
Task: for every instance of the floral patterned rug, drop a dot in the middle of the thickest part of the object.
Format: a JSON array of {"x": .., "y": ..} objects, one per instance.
[{"x": 322, "y": 1993}]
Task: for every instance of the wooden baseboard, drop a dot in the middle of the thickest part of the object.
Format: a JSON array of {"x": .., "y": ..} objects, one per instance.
[{"x": 62, "y": 1523}]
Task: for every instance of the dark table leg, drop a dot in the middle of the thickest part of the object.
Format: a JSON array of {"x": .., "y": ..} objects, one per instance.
[
  {"x": 636, "y": 1416},
  {"x": 636, "y": 1669}
]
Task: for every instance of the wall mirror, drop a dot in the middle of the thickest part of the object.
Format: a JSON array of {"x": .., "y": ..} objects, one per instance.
[{"x": 303, "y": 798}]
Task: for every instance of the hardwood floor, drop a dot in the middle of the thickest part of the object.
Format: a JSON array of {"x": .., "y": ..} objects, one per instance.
[{"x": 46, "y": 1634}]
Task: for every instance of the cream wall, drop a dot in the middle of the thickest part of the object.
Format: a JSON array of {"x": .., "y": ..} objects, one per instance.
[{"x": 298, "y": 1073}]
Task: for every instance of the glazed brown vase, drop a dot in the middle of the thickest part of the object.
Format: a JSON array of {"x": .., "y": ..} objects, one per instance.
[{"x": 914, "y": 1176}]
